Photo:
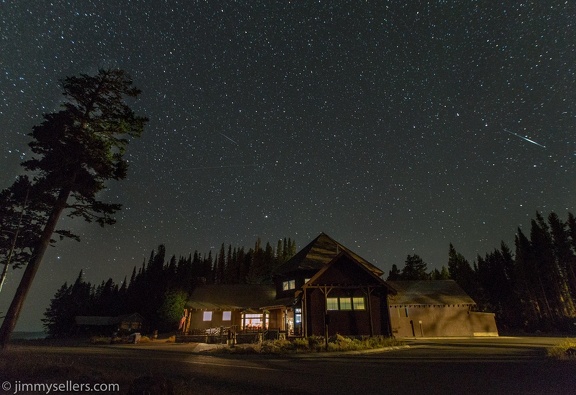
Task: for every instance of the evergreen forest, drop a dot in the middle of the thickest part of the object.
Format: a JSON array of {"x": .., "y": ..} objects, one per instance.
[
  {"x": 531, "y": 287},
  {"x": 159, "y": 289}
]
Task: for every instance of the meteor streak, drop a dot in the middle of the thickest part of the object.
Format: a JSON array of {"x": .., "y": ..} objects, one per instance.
[
  {"x": 217, "y": 167},
  {"x": 525, "y": 138},
  {"x": 223, "y": 135}
]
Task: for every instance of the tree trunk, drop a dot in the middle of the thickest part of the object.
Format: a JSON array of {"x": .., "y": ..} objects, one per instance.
[
  {"x": 14, "y": 242},
  {"x": 31, "y": 268}
]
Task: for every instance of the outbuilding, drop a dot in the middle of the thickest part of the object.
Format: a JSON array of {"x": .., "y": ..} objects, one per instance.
[{"x": 436, "y": 308}]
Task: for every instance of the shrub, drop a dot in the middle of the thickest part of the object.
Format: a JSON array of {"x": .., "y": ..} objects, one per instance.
[
  {"x": 280, "y": 346},
  {"x": 310, "y": 344},
  {"x": 301, "y": 344},
  {"x": 316, "y": 343}
]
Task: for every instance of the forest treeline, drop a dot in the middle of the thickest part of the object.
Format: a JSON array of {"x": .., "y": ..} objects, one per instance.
[
  {"x": 159, "y": 289},
  {"x": 530, "y": 288}
]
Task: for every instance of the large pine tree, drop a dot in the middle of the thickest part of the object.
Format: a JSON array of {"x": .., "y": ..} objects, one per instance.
[{"x": 75, "y": 151}]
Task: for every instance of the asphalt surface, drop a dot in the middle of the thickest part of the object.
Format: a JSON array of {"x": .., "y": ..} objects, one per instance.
[{"x": 504, "y": 365}]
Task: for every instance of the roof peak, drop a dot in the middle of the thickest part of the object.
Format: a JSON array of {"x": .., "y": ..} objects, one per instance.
[{"x": 319, "y": 252}]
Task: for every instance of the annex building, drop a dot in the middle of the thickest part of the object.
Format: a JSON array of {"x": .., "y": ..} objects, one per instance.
[{"x": 327, "y": 289}]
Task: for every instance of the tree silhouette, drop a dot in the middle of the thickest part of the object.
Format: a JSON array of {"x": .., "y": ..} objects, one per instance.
[
  {"x": 414, "y": 269},
  {"x": 76, "y": 150}
]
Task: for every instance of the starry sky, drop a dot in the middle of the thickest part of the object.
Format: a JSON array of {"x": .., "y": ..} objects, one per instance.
[{"x": 395, "y": 127}]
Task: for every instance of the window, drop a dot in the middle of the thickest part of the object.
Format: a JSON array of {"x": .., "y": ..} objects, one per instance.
[
  {"x": 306, "y": 280},
  {"x": 332, "y": 303},
  {"x": 345, "y": 303},
  {"x": 358, "y": 303},
  {"x": 207, "y": 316},
  {"x": 287, "y": 285},
  {"x": 226, "y": 315},
  {"x": 254, "y": 321}
]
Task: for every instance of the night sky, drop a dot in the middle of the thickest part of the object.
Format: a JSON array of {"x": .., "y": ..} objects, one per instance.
[{"x": 394, "y": 128}]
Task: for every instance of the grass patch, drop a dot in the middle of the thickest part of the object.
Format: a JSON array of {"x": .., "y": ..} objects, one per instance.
[{"x": 566, "y": 349}]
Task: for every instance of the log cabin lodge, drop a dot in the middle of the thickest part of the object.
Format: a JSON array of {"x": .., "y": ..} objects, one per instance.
[{"x": 327, "y": 289}]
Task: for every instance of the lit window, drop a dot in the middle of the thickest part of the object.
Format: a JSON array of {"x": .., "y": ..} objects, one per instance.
[
  {"x": 207, "y": 316},
  {"x": 345, "y": 303},
  {"x": 254, "y": 321},
  {"x": 358, "y": 304},
  {"x": 306, "y": 280},
  {"x": 332, "y": 303},
  {"x": 287, "y": 285},
  {"x": 226, "y": 315}
]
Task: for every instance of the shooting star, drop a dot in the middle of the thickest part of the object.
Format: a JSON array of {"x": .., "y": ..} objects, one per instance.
[
  {"x": 525, "y": 138},
  {"x": 217, "y": 167},
  {"x": 223, "y": 135}
]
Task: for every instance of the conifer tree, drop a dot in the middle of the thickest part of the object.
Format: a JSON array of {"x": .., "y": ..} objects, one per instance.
[
  {"x": 20, "y": 225},
  {"x": 441, "y": 274},
  {"x": 564, "y": 257},
  {"x": 220, "y": 266},
  {"x": 76, "y": 150},
  {"x": 414, "y": 269},
  {"x": 461, "y": 272},
  {"x": 546, "y": 268}
]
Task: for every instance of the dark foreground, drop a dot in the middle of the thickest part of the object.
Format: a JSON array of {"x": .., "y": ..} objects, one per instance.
[{"x": 447, "y": 366}]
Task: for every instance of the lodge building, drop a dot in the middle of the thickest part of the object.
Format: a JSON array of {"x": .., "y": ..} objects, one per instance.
[{"x": 326, "y": 289}]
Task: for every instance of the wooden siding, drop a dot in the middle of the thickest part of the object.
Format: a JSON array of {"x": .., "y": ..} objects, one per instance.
[
  {"x": 346, "y": 322},
  {"x": 439, "y": 321},
  {"x": 197, "y": 320}
]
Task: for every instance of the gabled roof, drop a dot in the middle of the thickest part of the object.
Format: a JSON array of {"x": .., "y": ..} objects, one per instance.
[
  {"x": 429, "y": 292},
  {"x": 232, "y": 297},
  {"x": 345, "y": 255},
  {"x": 317, "y": 254}
]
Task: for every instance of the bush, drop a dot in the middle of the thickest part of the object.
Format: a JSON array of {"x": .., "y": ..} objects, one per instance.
[
  {"x": 311, "y": 344},
  {"x": 301, "y": 344},
  {"x": 316, "y": 343},
  {"x": 280, "y": 346}
]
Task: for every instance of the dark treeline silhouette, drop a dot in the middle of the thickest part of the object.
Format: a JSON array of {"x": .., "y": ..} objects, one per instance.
[
  {"x": 530, "y": 289},
  {"x": 416, "y": 269},
  {"x": 159, "y": 289}
]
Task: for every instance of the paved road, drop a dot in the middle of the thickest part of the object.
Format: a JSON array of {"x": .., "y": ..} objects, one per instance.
[{"x": 430, "y": 366}]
